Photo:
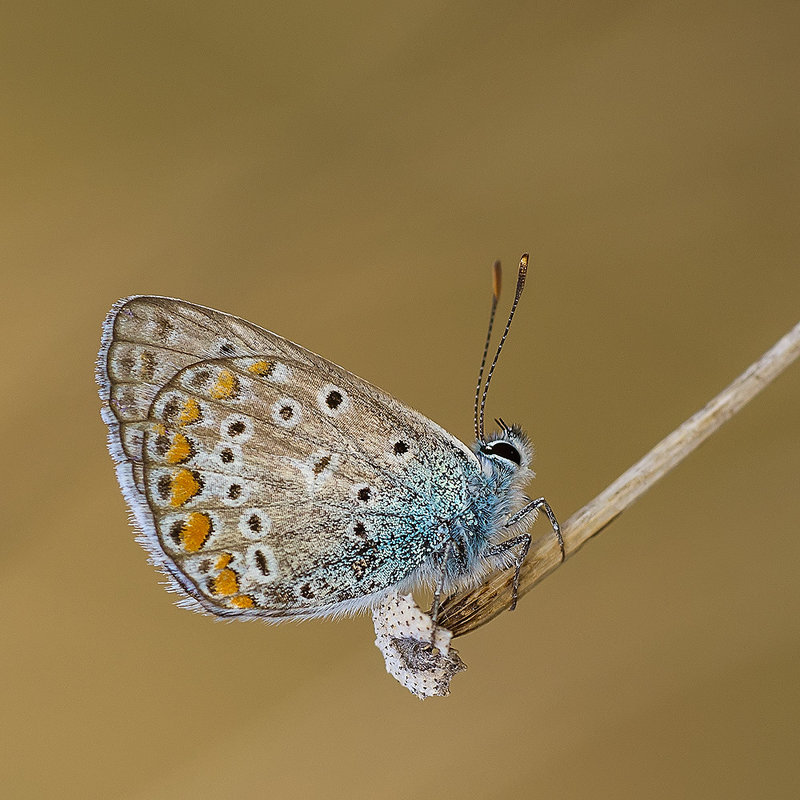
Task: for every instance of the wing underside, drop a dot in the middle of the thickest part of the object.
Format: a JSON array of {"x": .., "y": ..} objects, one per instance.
[{"x": 265, "y": 480}]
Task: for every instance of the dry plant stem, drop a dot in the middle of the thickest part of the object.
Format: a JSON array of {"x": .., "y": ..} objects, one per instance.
[{"x": 466, "y": 611}]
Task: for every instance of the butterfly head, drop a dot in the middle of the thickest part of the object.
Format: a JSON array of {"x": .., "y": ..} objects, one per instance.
[{"x": 505, "y": 451}]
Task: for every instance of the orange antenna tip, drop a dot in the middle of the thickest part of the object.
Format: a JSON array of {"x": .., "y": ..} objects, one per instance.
[
  {"x": 497, "y": 279},
  {"x": 523, "y": 271}
]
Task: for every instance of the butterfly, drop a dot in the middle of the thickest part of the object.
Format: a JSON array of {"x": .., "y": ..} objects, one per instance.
[{"x": 267, "y": 482}]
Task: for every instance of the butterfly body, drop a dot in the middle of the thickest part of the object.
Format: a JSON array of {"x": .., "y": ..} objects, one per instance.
[{"x": 266, "y": 481}]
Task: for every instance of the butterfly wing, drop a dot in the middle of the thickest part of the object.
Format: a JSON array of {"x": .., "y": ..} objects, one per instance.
[{"x": 265, "y": 480}]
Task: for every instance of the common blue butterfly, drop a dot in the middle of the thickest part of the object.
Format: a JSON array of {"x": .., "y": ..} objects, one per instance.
[{"x": 266, "y": 481}]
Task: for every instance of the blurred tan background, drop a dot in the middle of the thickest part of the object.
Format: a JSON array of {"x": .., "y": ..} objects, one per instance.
[{"x": 345, "y": 176}]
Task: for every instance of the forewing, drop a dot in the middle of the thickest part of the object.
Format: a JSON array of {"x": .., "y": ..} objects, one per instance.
[{"x": 266, "y": 480}]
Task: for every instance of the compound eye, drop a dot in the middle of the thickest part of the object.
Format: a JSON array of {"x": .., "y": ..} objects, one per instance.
[{"x": 504, "y": 450}]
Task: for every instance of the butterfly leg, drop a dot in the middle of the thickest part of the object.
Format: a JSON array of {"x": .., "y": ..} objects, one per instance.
[
  {"x": 535, "y": 505},
  {"x": 437, "y": 592},
  {"x": 525, "y": 540}
]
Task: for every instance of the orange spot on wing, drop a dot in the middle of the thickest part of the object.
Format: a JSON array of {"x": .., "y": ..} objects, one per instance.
[
  {"x": 195, "y": 532},
  {"x": 242, "y": 601},
  {"x": 179, "y": 450},
  {"x": 225, "y": 386},
  {"x": 262, "y": 368},
  {"x": 223, "y": 561},
  {"x": 184, "y": 487},
  {"x": 226, "y": 583},
  {"x": 190, "y": 412}
]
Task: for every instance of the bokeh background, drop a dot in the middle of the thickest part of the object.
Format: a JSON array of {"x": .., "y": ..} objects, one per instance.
[{"x": 345, "y": 174}]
